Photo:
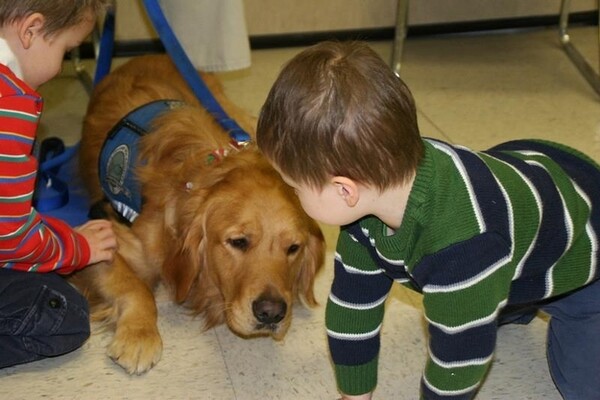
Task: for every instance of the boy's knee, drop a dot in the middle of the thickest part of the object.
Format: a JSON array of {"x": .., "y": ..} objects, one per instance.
[{"x": 48, "y": 314}]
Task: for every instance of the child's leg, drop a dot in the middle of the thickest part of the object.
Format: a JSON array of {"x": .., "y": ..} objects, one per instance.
[
  {"x": 574, "y": 343},
  {"x": 41, "y": 315}
]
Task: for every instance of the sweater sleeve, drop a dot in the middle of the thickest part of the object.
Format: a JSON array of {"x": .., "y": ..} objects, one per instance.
[
  {"x": 28, "y": 240},
  {"x": 354, "y": 315},
  {"x": 467, "y": 287}
]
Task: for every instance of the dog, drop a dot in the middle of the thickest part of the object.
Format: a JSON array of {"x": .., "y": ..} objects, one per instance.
[{"x": 218, "y": 226}]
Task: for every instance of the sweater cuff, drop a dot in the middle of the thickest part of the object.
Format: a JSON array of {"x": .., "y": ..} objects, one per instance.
[{"x": 357, "y": 379}]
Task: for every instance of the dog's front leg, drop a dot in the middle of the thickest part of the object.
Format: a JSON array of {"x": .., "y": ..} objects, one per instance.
[
  {"x": 136, "y": 345},
  {"x": 129, "y": 303}
]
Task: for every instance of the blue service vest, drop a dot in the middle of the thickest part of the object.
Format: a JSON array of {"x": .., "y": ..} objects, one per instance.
[{"x": 119, "y": 156}]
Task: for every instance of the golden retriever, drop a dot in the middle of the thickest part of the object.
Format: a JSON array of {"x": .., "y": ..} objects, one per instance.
[{"x": 227, "y": 237}]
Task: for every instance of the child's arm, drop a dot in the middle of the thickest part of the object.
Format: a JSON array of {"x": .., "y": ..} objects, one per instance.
[
  {"x": 354, "y": 314},
  {"x": 51, "y": 245},
  {"x": 462, "y": 305},
  {"x": 28, "y": 240},
  {"x": 366, "y": 396}
]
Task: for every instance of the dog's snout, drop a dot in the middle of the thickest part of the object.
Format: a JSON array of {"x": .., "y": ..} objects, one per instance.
[{"x": 268, "y": 310}]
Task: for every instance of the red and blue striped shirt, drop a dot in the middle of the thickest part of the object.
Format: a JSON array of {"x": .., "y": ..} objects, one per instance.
[{"x": 29, "y": 241}]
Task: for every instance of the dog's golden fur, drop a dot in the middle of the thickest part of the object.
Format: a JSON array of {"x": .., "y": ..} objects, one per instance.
[{"x": 228, "y": 238}]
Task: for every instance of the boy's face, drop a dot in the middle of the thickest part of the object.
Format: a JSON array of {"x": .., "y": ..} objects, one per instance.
[{"x": 43, "y": 59}]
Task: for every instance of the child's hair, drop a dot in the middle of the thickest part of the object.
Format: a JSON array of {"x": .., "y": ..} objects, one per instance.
[
  {"x": 337, "y": 109},
  {"x": 59, "y": 14}
]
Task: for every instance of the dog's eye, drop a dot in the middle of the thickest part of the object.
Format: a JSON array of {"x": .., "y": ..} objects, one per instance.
[
  {"x": 293, "y": 249},
  {"x": 239, "y": 243}
]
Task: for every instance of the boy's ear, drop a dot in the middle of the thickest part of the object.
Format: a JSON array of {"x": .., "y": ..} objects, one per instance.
[
  {"x": 347, "y": 189},
  {"x": 29, "y": 28}
]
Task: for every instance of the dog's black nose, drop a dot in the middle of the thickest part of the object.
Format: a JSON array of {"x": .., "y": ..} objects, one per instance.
[{"x": 268, "y": 310}]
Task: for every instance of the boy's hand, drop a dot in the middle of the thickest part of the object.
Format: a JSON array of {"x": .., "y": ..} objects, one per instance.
[
  {"x": 366, "y": 396},
  {"x": 101, "y": 238}
]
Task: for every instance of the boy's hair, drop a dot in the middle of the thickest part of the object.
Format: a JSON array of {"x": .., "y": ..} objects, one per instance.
[
  {"x": 59, "y": 14},
  {"x": 337, "y": 109}
]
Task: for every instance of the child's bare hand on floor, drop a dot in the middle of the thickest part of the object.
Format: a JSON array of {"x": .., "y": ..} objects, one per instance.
[{"x": 366, "y": 396}]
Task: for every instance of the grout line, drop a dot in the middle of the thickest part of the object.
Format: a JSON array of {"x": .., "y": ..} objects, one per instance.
[
  {"x": 429, "y": 120},
  {"x": 235, "y": 396}
]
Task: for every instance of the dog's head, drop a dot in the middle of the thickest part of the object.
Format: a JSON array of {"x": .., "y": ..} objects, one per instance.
[{"x": 243, "y": 249}]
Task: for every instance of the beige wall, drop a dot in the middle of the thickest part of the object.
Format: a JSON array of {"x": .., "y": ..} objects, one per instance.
[
  {"x": 277, "y": 16},
  {"x": 428, "y": 11},
  {"x": 265, "y": 17},
  {"x": 131, "y": 21}
]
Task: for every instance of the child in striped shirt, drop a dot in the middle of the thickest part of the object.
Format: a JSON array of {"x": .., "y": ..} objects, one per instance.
[
  {"x": 41, "y": 315},
  {"x": 488, "y": 237}
]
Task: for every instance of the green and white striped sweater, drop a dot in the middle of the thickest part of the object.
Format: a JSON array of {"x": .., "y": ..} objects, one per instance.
[{"x": 516, "y": 224}]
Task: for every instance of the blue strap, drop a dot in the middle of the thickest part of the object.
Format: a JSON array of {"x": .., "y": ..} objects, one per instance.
[
  {"x": 59, "y": 159},
  {"x": 105, "y": 48},
  {"x": 51, "y": 192},
  {"x": 189, "y": 72}
]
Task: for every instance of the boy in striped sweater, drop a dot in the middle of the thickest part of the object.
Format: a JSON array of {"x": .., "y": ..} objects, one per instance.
[
  {"x": 41, "y": 315},
  {"x": 487, "y": 237}
]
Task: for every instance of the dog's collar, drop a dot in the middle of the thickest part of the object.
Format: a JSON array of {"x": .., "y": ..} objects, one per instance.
[{"x": 219, "y": 154}]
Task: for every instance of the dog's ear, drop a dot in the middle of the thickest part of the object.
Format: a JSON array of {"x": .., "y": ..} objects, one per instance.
[
  {"x": 182, "y": 265},
  {"x": 314, "y": 256},
  {"x": 180, "y": 271}
]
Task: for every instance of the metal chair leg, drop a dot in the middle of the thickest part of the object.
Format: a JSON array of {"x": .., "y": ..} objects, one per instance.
[
  {"x": 80, "y": 69},
  {"x": 580, "y": 62},
  {"x": 400, "y": 35},
  {"x": 102, "y": 39}
]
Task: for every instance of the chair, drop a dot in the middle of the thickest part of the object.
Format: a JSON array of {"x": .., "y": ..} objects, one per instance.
[
  {"x": 103, "y": 39},
  {"x": 400, "y": 35},
  {"x": 580, "y": 62}
]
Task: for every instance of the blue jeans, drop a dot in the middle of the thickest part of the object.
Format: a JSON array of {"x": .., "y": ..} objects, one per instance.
[
  {"x": 41, "y": 315},
  {"x": 574, "y": 343}
]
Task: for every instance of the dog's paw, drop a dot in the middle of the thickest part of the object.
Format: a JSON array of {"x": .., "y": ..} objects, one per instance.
[{"x": 136, "y": 349}]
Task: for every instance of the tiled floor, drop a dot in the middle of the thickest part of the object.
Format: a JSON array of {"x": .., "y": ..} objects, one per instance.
[{"x": 476, "y": 90}]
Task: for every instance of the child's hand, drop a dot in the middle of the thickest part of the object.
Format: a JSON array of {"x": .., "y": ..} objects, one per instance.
[
  {"x": 101, "y": 239},
  {"x": 366, "y": 396}
]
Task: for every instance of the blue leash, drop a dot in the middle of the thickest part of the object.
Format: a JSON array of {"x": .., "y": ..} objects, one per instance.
[
  {"x": 106, "y": 46},
  {"x": 189, "y": 72}
]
